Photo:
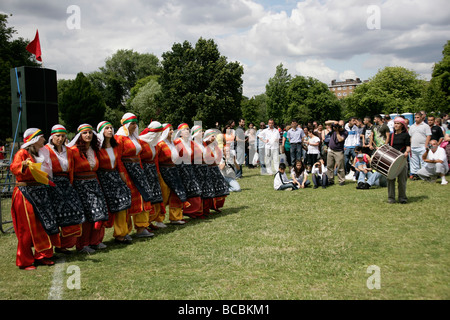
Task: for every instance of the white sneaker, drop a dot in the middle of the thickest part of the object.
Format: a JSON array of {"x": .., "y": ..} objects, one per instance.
[
  {"x": 160, "y": 225},
  {"x": 444, "y": 182},
  {"x": 178, "y": 222}
]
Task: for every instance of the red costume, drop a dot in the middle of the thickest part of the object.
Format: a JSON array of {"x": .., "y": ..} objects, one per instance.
[{"x": 29, "y": 230}]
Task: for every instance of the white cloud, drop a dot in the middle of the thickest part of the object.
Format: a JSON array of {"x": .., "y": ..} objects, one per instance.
[{"x": 311, "y": 37}]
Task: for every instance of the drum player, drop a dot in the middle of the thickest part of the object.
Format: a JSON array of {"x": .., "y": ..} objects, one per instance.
[{"x": 399, "y": 140}]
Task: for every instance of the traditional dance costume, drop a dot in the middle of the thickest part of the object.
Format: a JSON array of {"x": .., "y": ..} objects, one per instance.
[
  {"x": 116, "y": 191},
  {"x": 31, "y": 209},
  {"x": 213, "y": 156},
  {"x": 149, "y": 138},
  {"x": 88, "y": 188},
  {"x": 173, "y": 191},
  {"x": 185, "y": 148},
  {"x": 201, "y": 171},
  {"x": 134, "y": 173},
  {"x": 66, "y": 202}
]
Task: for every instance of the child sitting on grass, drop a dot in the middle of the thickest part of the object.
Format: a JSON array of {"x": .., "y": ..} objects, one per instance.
[
  {"x": 361, "y": 167},
  {"x": 281, "y": 181}
]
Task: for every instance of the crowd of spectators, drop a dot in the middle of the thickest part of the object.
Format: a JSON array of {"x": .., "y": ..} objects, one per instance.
[{"x": 312, "y": 154}]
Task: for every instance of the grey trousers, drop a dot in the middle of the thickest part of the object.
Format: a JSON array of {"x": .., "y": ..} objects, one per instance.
[
  {"x": 333, "y": 158},
  {"x": 402, "y": 179}
]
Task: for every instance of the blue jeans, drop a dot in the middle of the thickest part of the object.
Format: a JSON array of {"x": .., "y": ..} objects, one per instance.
[
  {"x": 233, "y": 185},
  {"x": 296, "y": 152},
  {"x": 348, "y": 153},
  {"x": 374, "y": 179},
  {"x": 288, "y": 185},
  {"x": 320, "y": 181},
  {"x": 362, "y": 176},
  {"x": 416, "y": 162}
]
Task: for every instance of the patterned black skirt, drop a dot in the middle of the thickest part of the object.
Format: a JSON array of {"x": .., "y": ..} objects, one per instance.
[
  {"x": 39, "y": 197},
  {"x": 139, "y": 179},
  {"x": 221, "y": 188},
  {"x": 172, "y": 178},
  {"x": 190, "y": 181},
  {"x": 206, "y": 185},
  {"x": 67, "y": 204},
  {"x": 152, "y": 177},
  {"x": 116, "y": 191},
  {"x": 93, "y": 199}
]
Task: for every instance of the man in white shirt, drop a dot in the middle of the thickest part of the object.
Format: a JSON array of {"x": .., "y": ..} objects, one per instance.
[
  {"x": 271, "y": 137},
  {"x": 436, "y": 163},
  {"x": 420, "y": 133},
  {"x": 350, "y": 143}
]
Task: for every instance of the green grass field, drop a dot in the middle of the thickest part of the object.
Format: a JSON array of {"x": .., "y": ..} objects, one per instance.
[{"x": 265, "y": 245}]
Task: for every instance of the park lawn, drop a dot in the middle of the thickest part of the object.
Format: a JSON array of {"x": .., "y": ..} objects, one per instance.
[{"x": 266, "y": 245}]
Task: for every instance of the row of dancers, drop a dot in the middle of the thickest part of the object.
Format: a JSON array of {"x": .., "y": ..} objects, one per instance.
[{"x": 66, "y": 194}]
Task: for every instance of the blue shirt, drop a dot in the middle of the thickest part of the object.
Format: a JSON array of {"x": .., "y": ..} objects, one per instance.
[{"x": 295, "y": 136}]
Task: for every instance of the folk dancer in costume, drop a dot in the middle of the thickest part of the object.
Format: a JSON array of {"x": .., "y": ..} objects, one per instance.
[
  {"x": 84, "y": 146},
  {"x": 113, "y": 182},
  {"x": 185, "y": 147},
  {"x": 149, "y": 138},
  {"x": 201, "y": 170},
  {"x": 173, "y": 191},
  {"x": 128, "y": 139},
  {"x": 213, "y": 156},
  {"x": 31, "y": 209},
  {"x": 66, "y": 202}
]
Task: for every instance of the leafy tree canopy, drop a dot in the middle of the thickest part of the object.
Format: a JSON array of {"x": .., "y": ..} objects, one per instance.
[
  {"x": 81, "y": 103},
  {"x": 199, "y": 84}
]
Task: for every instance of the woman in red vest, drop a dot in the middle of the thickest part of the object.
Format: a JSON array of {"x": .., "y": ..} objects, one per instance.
[
  {"x": 149, "y": 138},
  {"x": 66, "y": 202},
  {"x": 213, "y": 156},
  {"x": 173, "y": 191},
  {"x": 128, "y": 139},
  {"x": 185, "y": 147},
  {"x": 113, "y": 182},
  {"x": 31, "y": 209},
  {"x": 84, "y": 147}
]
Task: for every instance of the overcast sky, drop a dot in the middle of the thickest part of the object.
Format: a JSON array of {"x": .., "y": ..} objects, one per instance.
[{"x": 325, "y": 39}]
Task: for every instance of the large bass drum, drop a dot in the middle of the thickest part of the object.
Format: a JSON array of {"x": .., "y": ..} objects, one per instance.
[{"x": 388, "y": 161}]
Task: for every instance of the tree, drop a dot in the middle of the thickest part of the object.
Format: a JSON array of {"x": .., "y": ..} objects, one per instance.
[
  {"x": 143, "y": 102},
  {"x": 254, "y": 109},
  {"x": 437, "y": 96},
  {"x": 13, "y": 54},
  {"x": 391, "y": 90},
  {"x": 121, "y": 72},
  {"x": 198, "y": 84},
  {"x": 310, "y": 99},
  {"x": 81, "y": 103},
  {"x": 276, "y": 91}
]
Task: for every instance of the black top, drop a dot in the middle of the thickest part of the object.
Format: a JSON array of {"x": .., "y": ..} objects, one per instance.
[
  {"x": 400, "y": 141},
  {"x": 436, "y": 133},
  {"x": 334, "y": 144}
]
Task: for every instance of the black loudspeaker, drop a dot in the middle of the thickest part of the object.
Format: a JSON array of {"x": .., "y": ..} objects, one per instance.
[{"x": 34, "y": 92}]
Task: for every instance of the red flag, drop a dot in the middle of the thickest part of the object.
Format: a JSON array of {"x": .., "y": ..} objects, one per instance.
[{"x": 35, "y": 47}]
